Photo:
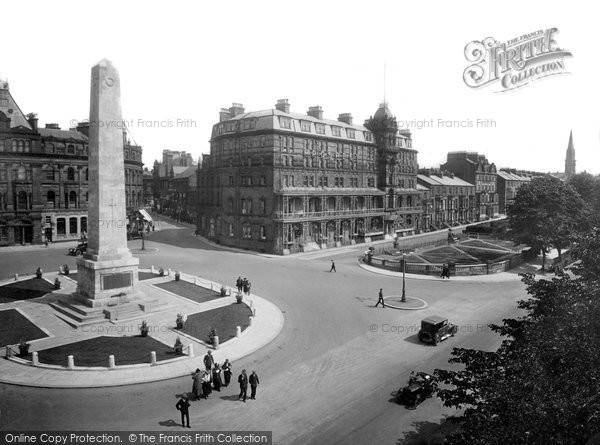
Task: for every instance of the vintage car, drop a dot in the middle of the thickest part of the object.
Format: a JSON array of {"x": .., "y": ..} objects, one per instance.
[
  {"x": 420, "y": 387},
  {"x": 79, "y": 250},
  {"x": 434, "y": 329}
]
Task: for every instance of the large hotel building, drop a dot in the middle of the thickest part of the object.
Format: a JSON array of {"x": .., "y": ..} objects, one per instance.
[{"x": 284, "y": 182}]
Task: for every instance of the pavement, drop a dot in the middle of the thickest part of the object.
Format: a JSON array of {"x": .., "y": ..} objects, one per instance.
[
  {"x": 265, "y": 326},
  {"x": 328, "y": 377}
]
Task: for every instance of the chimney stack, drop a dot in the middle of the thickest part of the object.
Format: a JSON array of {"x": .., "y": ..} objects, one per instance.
[
  {"x": 53, "y": 126},
  {"x": 316, "y": 112},
  {"x": 224, "y": 115},
  {"x": 236, "y": 109},
  {"x": 346, "y": 118},
  {"x": 283, "y": 105},
  {"x": 33, "y": 121}
]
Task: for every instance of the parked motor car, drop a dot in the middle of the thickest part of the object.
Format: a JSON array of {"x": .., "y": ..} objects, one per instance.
[
  {"x": 79, "y": 250},
  {"x": 434, "y": 329},
  {"x": 420, "y": 387}
]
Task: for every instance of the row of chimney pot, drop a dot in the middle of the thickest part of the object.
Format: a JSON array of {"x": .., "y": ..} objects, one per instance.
[{"x": 284, "y": 106}]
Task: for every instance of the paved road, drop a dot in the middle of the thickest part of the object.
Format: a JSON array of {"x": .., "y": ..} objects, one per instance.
[{"x": 328, "y": 377}]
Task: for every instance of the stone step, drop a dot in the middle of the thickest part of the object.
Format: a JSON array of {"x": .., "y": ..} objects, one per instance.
[
  {"x": 81, "y": 308},
  {"x": 76, "y": 319}
]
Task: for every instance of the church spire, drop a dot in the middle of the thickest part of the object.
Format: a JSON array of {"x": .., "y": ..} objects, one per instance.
[{"x": 570, "y": 160}]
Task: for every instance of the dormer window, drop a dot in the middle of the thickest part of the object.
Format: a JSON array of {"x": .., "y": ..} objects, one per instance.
[
  {"x": 350, "y": 133},
  {"x": 368, "y": 136},
  {"x": 336, "y": 131},
  {"x": 285, "y": 122},
  {"x": 305, "y": 126}
]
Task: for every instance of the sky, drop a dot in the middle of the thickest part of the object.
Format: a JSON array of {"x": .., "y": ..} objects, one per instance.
[{"x": 181, "y": 61}]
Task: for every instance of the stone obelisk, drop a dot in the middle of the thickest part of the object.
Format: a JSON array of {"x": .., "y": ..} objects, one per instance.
[{"x": 107, "y": 273}]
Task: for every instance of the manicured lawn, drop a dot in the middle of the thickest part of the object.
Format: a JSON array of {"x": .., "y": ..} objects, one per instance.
[
  {"x": 483, "y": 254},
  {"x": 146, "y": 276},
  {"x": 189, "y": 290},
  {"x": 25, "y": 290},
  {"x": 223, "y": 319},
  {"x": 95, "y": 351},
  {"x": 14, "y": 327},
  {"x": 482, "y": 243},
  {"x": 446, "y": 255}
]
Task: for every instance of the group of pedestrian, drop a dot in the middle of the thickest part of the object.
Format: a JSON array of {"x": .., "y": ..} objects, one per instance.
[
  {"x": 215, "y": 377},
  {"x": 243, "y": 285}
]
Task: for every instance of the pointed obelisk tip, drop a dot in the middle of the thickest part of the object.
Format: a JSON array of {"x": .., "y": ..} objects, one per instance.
[{"x": 105, "y": 63}]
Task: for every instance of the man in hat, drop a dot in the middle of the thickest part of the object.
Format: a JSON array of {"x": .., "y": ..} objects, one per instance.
[
  {"x": 380, "y": 299},
  {"x": 243, "y": 381},
  {"x": 209, "y": 361},
  {"x": 253, "y": 380},
  {"x": 184, "y": 407}
]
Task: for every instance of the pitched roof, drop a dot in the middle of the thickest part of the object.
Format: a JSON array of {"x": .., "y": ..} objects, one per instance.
[
  {"x": 512, "y": 176},
  {"x": 444, "y": 180},
  {"x": 62, "y": 134}
]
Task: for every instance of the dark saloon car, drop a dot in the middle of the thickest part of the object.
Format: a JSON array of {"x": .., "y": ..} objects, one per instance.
[
  {"x": 79, "y": 250},
  {"x": 420, "y": 387},
  {"x": 434, "y": 329}
]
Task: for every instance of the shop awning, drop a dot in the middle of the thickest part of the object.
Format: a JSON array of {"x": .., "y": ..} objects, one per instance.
[{"x": 145, "y": 215}]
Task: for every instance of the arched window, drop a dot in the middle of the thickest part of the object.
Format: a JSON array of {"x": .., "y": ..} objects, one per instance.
[
  {"x": 72, "y": 199},
  {"x": 15, "y": 145},
  {"x": 71, "y": 149},
  {"x": 50, "y": 174},
  {"x": 83, "y": 224},
  {"x": 70, "y": 174},
  {"x": 21, "y": 146},
  {"x": 21, "y": 174},
  {"x": 51, "y": 199}
]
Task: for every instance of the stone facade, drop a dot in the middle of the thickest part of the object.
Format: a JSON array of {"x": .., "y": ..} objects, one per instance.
[
  {"x": 477, "y": 170},
  {"x": 44, "y": 177},
  {"x": 283, "y": 182},
  {"x": 508, "y": 183},
  {"x": 448, "y": 201}
]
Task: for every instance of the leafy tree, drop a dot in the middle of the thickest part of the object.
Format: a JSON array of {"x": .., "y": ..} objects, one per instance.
[
  {"x": 546, "y": 213},
  {"x": 588, "y": 187},
  {"x": 542, "y": 385}
]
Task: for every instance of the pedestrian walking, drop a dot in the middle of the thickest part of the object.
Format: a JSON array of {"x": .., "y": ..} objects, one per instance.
[
  {"x": 245, "y": 285},
  {"x": 216, "y": 375},
  {"x": 206, "y": 385},
  {"x": 184, "y": 408},
  {"x": 380, "y": 300},
  {"x": 248, "y": 286},
  {"x": 196, "y": 383},
  {"x": 332, "y": 267},
  {"x": 209, "y": 361},
  {"x": 226, "y": 371},
  {"x": 253, "y": 380},
  {"x": 445, "y": 272},
  {"x": 243, "y": 381},
  {"x": 239, "y": 284}
]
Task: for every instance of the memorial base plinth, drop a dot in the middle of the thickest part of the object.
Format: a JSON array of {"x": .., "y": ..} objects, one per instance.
[{"x": 107, "y": 283}]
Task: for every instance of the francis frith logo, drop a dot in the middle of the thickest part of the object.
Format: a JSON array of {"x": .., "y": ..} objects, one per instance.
[{"x": 515, "y": 63}]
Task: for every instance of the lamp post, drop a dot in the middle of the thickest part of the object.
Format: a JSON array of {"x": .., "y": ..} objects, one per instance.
[{"x": 403, "y": 277}]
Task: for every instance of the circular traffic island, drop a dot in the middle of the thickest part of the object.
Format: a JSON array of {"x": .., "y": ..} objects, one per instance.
[{"x": 410, "y": 303}]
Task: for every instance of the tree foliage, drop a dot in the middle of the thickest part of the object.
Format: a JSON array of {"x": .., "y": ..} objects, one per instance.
[
  {"x": 547, "y": 213},
  {"x": 542, "y": 385}
]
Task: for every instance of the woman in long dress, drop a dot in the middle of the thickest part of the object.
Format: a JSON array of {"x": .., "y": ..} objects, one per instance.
[
  {"x": 227, "y": 371},
  {"x": 217, "y": 383}
]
